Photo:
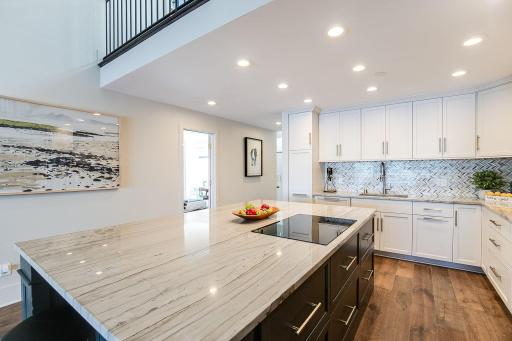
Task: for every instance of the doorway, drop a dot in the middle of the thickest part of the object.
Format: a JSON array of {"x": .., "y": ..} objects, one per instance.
[{"x": 198, "y": 173}]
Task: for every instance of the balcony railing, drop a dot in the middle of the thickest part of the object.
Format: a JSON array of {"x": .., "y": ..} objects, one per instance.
[{"x": 130, "y": 22}]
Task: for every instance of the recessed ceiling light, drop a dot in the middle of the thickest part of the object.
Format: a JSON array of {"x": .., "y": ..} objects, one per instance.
[
  {"x": 96, "y": 114},
  {"x": 308, "y": 100},
  {"x": 459, "y": 73},
  {"x": 282, "y": 86},
  {"x": 371, "y": 89},
  {"x": 212, "y": 103},
  {"x": 279, "y": 253},
  {"x": 213, "y": 290},
  {"x": 104, "y": 245},
  {"x": 472, "y": 41},
  {"x": 99, "y": 272},
  {"x": 243, "y": 63},
  {"x": 82, "y": 261},
  {"x": 67, "y": 124},
  {"x": 69, "y": 253},
  {"x": 335, "y": 31},
  {"x": 278, "y": 123},
  {"x": 358, "y": 68}
]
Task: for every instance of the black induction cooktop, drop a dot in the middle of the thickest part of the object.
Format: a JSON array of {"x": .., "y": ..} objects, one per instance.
[{"x": 307, "y": 228}]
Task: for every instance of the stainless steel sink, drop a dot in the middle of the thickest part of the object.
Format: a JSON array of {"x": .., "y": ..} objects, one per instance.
[{"x": 389, "y": 195}]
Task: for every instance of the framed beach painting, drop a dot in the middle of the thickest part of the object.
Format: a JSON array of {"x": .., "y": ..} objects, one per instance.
[
  {"x": 253, "y": 157},
  {"x": 46, "y": 149}
]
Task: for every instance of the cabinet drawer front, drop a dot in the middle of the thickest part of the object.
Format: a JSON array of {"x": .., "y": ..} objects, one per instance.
[
  {"x": 300, "y": 313},
  {"x": 497, "y": 223},
  {"x": 345, "y": 312},
  {"x": 384, "y": 205},
  {"x": 366, "y": 278},
  {"x": 433, "y": 209},
  {"x": 342, "y": 265},
  {"x": 499, "y": 275},
  {"x": 366, "y": 238},
  {"x": 501, "y": 247},
  {"x": 327, "y": 200}
]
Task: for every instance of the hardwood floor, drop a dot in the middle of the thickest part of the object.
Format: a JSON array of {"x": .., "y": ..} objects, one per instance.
[
  {"x": 422, "y": 302},
  {"x": 412, "y": 302},
  {"x": 9, "y": 317}
]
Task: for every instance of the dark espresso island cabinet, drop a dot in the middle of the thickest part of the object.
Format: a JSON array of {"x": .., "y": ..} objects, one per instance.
[{"x": 330, "y": 303}]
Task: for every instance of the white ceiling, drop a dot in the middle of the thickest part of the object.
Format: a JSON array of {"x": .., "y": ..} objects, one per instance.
[{"x": 418, "y": 43}]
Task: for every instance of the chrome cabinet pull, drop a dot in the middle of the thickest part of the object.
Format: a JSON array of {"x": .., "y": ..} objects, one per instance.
[
  {"x": 444, "y": 142},
  {"x": 387, "y": 147},
  {"x": 334, "y": 199},
  {"x": 368, "y": 236},
  {"x": 347, "y": 267},
  {"x": 432, "y": 209},
  {"x": 456, "y": 217},
  {"x": 298, "y": 330},
  {"x": 310, "y": 139},
  {"x": 496, "y": 274},
  {"x": 369, "y": 276},
  {"x": 433, "y": 219},
  {"x": 493, "y": 241},
  {"x": 347, "y": 321},
  {"x": 395, "y": 216},
  {"x": 440, "y": 151},
  {"x": 478, "y": 142},
  {"x": 381, "y": 224},
  {"x": 299, "y": 194},
  {"x": 341, "y": 150},
  {"x": 494, "y": 223},
  {"x": 383, "y": 151}
]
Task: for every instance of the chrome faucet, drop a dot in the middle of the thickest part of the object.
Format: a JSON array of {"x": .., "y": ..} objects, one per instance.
[{"x": 382, "y": 178}]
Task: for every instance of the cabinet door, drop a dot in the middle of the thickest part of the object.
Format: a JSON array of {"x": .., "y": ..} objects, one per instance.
[
  {"x": 300, "y": 175},
  {"x": 494, "y": 120},
  {"x": 373, "y": 133},
  {"x": 299, "y": 131},
  {"x": 328, "y": 140},
  {"x": 399, "y": 131},
  {"x": 467, "y": 235},
  {"x": 396, "y": 233},
  {"x": 459, "y": 126},
  {"x": 433, "y": 238},
  {"x": 427, "y": 129},
  {"x": 350, "y": 135}
]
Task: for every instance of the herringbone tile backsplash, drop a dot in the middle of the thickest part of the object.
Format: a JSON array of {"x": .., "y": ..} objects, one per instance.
[{"x": 433, "y": 178}]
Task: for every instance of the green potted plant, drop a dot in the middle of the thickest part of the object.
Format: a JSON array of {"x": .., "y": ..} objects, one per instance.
[{"x": 487, "y": 181}]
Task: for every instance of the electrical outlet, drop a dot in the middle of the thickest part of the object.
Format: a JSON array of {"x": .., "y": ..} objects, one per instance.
[{"x": 5, "y": 269}]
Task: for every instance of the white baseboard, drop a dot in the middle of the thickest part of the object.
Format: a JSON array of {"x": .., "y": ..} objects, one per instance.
[{"x": 10, "y": 290}]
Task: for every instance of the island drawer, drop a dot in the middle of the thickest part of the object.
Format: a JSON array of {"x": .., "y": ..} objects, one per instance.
[
  {"x": 366, "y": 278},
  {"x": 366, "y": 238},
  {"x": 342, "y": 264},
  {"x": 345, "y": 313},
  {"x": 297, "y": 317}
]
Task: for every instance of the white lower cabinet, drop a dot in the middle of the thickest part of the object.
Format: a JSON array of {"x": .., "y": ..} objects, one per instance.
[
  {"x": 433, "y": 238},
  {"x": 395, "y": 233},
  {"x": 467, "y": 235}
]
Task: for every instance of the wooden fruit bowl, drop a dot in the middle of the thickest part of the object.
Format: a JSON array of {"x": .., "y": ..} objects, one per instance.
[{"x": 256, "y": 217}]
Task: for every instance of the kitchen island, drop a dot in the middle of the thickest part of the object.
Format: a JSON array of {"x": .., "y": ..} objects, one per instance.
[{"x": 202, "y": 275}]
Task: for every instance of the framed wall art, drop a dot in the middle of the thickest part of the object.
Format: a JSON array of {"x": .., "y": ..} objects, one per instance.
[
  {"x": 52, "y": 149},
  {"x": 253, "y": 157}
]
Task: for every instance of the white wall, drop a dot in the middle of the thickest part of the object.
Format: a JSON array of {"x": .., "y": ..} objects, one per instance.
[{"x": 49, "y": 55}]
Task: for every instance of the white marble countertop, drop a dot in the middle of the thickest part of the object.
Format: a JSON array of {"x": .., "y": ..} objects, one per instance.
[
  {"x": 202, "y": 275},
  {"x": 502, "y": 210}
]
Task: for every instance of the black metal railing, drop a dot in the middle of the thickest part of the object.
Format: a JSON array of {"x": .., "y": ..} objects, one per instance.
[{"x": 129, "y": 22}]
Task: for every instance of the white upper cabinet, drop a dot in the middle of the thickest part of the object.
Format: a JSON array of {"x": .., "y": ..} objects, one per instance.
[
  {"x": 428, "y": 129},
  {"x": 299, "y": 131},
  {"x": 399, "y": 131},
  {"x": 494, "y": 120},
  {"x": 350, "y": 135},
  {"x": 459, "y": 126},
  {"x": 328, "y": 139},
  {"x": 373, "y": 133}
]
